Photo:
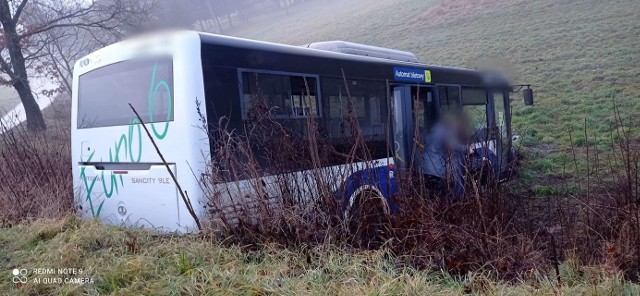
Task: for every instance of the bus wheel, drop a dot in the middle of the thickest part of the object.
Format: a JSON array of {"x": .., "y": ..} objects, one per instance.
[{"x": 368, "y": 221}]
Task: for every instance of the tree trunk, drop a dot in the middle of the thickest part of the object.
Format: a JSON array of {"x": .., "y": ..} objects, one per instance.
[
  {"x": 18, "y": 73},
  {"x": 35, "y": 121}
]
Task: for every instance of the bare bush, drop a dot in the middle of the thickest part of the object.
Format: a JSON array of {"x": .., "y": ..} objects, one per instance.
[
  {"x": 259, "y": 194},
  {"x": 256, "y": 190},
  {"x": 601, "y": 224},
  {"x": 35, "y": 177},
  {"x": 268, "y": 184}
]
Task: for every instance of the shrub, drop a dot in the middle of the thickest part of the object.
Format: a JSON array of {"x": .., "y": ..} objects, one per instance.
[{"x": 35, "y": 171}]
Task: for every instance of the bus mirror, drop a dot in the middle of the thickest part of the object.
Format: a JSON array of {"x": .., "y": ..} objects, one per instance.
[{"x": 528, "y": 96}]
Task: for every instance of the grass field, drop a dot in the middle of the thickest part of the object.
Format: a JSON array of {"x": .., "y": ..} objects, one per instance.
[
  {"x": 135, "y": 262},
  {"x": 579, "y": 55}
]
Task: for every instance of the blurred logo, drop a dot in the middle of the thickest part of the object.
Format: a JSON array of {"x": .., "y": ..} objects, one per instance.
[
  {"x": 85, "y": 62},
  {"x": 19, "y": 277}
]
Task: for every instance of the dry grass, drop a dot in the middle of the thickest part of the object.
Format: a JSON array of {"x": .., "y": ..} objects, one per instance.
[
  {"x": 191, "y": 265},
  {"x": 35, "y": 173}
]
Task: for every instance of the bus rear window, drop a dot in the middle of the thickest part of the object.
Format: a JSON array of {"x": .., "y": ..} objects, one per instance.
[{"x": 104, "y": 94}]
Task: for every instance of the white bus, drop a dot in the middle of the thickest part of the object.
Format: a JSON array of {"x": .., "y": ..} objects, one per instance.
[{"x": 175, "y": 79}]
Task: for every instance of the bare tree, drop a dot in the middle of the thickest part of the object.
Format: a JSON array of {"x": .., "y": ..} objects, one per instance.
[
  {"x": 64, "y": 45},
  {"x": 37, "y": 34}
]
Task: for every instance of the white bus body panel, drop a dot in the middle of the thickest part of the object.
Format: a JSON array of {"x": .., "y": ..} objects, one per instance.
[
  {"x": 146, "y": 194},
  {"x": 243, "y": 199}
]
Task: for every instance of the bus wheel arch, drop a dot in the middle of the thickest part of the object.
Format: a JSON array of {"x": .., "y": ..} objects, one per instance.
[
  {"x": 366, "y": 191},
  {"x": 367, "y": 216}
]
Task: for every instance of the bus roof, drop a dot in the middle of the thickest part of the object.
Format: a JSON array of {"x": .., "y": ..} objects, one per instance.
[{"x": 300, "y": 50}]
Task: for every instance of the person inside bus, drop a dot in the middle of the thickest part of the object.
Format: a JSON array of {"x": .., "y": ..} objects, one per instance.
[{"x": 444, "y": 154}]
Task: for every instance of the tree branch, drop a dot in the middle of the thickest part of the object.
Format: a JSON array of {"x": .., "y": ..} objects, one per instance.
[{"x": 16, "y": 15}]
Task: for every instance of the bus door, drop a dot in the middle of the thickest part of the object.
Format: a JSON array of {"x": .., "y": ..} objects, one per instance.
[
  {"x": 473, "y": 106},
  {"x": 501, "y": 128},
  {"x": 414, "y": 113}
]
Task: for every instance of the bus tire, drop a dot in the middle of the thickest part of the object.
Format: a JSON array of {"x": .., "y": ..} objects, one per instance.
[{"x": 368, "y": 219}]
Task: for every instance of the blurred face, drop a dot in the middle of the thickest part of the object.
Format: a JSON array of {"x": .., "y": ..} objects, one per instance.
[
  {"x": 455, "y": 123},
  {"x": 465, "y": 123},
  {"x": 451, "y": 121}
]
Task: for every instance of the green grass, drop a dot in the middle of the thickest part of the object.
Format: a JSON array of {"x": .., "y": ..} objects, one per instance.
[
  {"x": 189, "y": 265},
  {"x": 577, "y": 54}
]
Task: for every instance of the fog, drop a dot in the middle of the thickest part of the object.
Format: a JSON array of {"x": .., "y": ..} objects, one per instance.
[{"x": 229, "y": 16}]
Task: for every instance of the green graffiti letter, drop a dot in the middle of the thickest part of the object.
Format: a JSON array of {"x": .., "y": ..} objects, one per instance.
[
  {"x": 153, "y": 92},
  {"x": 88, "y": 188},
  {"x": 135, "y": 122}
]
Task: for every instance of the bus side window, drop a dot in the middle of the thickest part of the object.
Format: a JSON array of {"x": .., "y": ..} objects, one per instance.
[
  {"x": 367, "y": 104},
  {"x": 474, "y": 104},
  {"x": 449, "y": 98},
  {"x": 424, "y": 108},
  {"x": 500, "y": 115},
  {"x": 275, "y": 110},
  {"x": 285, "y": 96}
]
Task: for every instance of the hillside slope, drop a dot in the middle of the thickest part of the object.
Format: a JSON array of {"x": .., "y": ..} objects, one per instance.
[{"x": 578, "y": 54}]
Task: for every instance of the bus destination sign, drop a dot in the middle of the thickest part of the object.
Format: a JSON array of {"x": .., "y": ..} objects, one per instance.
[{"x": 412, "y": 75}]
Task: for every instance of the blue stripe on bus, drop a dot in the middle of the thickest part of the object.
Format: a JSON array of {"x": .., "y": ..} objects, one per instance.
[{"x": 378, "y": 177}]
